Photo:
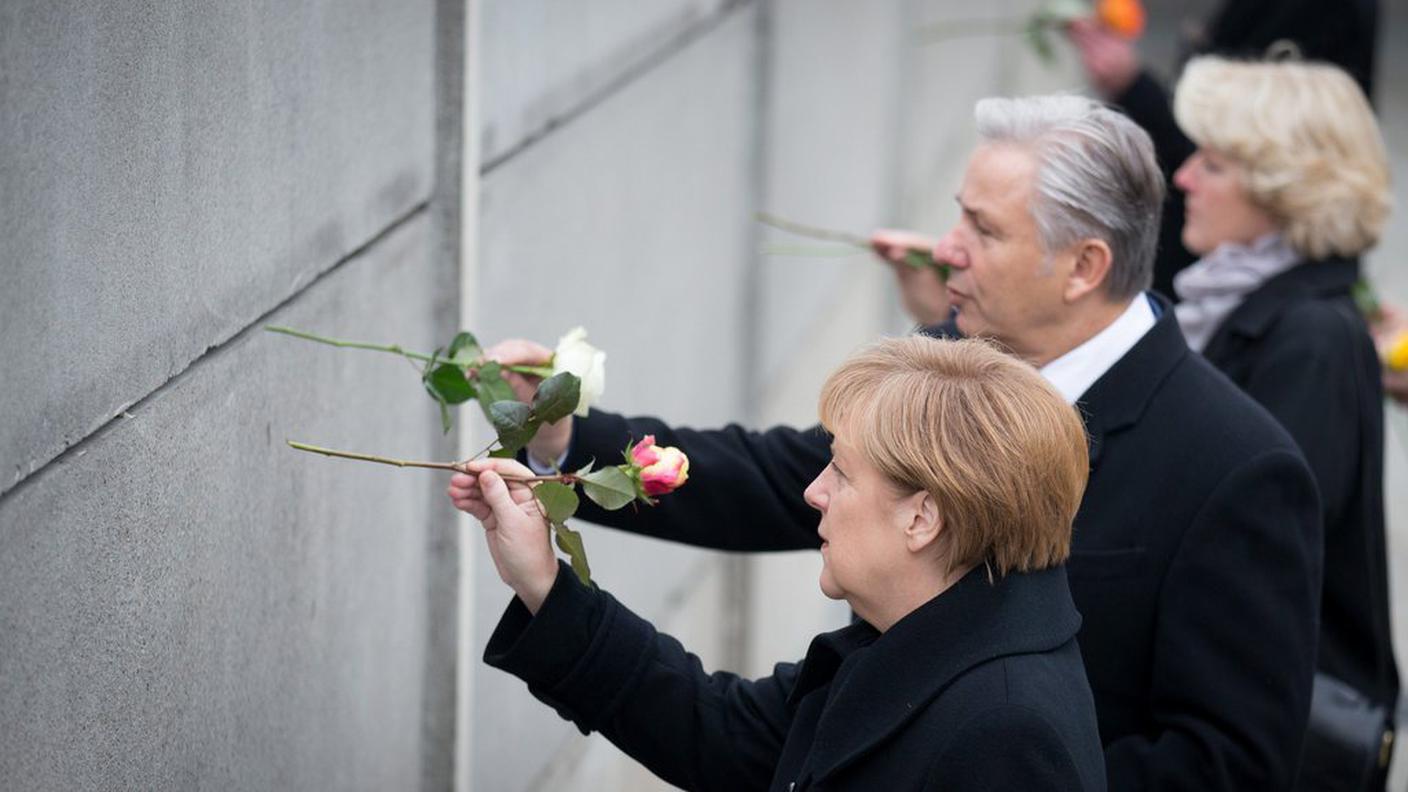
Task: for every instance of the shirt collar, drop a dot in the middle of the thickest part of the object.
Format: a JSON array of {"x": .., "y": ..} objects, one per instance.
[{"x": 1074, "y": 372}]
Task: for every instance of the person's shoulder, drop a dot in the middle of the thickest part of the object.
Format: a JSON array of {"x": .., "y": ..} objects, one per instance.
[
  {"x": 1007, "y": 745},
  {"x": 1324, "y": 327},
  {"x": 1028, "y": 687},
  {"x": 1200, "y": 407}
]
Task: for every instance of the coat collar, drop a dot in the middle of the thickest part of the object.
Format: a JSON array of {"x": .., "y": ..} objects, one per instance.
[
  {"x": 1330, "y": 277},
  {"x": 906, "y": 667},
  {"x": 1118, "y": 399}
]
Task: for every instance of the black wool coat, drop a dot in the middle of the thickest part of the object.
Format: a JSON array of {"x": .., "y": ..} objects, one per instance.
[
  {"x": 1299, "y": 347},
  {"x": 1196, "y": 557},
  {"x": 979, "y": 689}
]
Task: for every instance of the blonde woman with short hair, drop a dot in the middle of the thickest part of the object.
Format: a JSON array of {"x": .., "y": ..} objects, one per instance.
[
  {"x": 945, "y": 521},
  {"x": 1288, "y": 187}
]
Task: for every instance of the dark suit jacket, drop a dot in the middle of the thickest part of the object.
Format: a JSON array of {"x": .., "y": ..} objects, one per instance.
[
  {"x": 1299, "y": 347},
  {"x": 979, "y": 689},
  {"x": 1342, "y": 33},
  {"x": 1196, "y": 558}
]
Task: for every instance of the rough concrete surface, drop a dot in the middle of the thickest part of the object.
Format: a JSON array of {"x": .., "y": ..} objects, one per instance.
[
  {"x": 186, "y": 602},
  {"x": 171, "y": 171},
  {"x": 545, "y": 61}
]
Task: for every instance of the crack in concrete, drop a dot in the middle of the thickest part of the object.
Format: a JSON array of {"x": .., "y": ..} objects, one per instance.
[
  {"x": 667, "y": 49},
  {"x": 78, "y": 446}
]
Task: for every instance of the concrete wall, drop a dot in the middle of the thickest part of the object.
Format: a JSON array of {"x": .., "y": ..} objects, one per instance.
[{"x": 184, "y": 601}]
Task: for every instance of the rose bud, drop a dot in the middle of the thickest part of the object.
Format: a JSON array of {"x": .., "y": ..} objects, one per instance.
[{"x": 662, "y": 470}]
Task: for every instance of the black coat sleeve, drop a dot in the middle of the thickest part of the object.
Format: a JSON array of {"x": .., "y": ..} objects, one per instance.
[
  {"x": 979, "y": 758},
  {"x": 608, "y": 670},
  {"x": 1235, "y": 639},
  {"x": 744, "y": 490}
]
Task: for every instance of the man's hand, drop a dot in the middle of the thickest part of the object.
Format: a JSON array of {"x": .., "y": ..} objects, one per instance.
[
  {"x": 1110, "y": 61},
  {"x": 922, "y": 291},
  {"x": 550, "y": 443},
  {"x": 514, "y": 526}
]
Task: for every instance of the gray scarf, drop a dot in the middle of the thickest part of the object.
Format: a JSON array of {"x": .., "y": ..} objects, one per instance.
[{"x": 1216, "y": 284}]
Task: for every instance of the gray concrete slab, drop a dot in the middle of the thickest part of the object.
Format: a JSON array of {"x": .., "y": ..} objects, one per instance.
[
  {"x": 187, "y": 603},
  {"x": 544, "y": 61},
  {"x": 169, "y": 172},
  {"x": 631, "y": 221}
]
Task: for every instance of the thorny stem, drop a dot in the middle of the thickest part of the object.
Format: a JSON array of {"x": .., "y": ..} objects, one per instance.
[
  {"x": 913, "y": 257},
  {"x": 457, "y": 467},
  {"x": 392, "y": 348},
  {"x": 801, "y": 229},
  {"x": 536, "y": 371}
]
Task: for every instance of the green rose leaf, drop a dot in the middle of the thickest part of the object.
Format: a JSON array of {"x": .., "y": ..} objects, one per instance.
[
  {"x": 559, "y": 501},
  {"x": 918, "y": 259},
  {"x": 446, "y": 422},
  {"x": 464, "y": 349},
  {"x": 571, "y": 543},
  {"x": 503, "y": 453},
  {"x": 492, "y": 387},
  {"x": 557, "y": 397},
  {"x": 514, "y": 422},
  {"x": 448, "y": 383},
  {"x": 610, "y": 488}
]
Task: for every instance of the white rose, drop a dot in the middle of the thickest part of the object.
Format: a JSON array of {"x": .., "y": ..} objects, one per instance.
[{"x": 574, "y": 354}]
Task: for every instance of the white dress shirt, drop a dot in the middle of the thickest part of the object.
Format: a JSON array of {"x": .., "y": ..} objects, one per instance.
[{"x": 1074, "y": 372}]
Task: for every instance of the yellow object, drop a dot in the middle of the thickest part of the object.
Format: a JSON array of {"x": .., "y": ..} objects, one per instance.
[{"x": 1396, "y": 356}]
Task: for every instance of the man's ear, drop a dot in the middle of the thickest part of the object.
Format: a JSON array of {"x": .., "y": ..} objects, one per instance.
[
  {"x": 926, "y": 524},
  {"x": 1089, "y": 269}
]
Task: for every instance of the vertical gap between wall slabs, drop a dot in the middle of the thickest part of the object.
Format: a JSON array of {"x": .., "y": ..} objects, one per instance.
[
  {"x": 456, "y": 217},
  {"x": 739, "y": 569}
]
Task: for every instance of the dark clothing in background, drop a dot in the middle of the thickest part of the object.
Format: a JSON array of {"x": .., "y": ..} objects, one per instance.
[
  {"x": 1299, "y": 346},
  {"x": 979, "y": 689},
  {"x": 1195, "y": 566},
  {"x": 1342, "y": 32}
]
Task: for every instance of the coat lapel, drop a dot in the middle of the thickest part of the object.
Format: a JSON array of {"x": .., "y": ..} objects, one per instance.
[{"x": 1118, "y": 399}]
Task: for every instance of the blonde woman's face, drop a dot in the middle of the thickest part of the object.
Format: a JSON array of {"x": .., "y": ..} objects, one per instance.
[{"x": 1217, "y": 207}]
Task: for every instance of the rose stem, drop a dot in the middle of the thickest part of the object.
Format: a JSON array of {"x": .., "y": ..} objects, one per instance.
[
  {"x": 537, "y": 371},
  {"x": 457, "y": 467},
  {"x": 812, "y": 231}
]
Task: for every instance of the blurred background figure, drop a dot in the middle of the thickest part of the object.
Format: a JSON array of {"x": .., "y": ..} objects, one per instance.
[
  {"x": 1288, "y": 185},
  {"x": 1343, "y": 33}
]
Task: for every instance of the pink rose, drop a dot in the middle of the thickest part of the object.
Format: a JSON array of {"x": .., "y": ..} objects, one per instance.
[{"x": 662, "y": 470}]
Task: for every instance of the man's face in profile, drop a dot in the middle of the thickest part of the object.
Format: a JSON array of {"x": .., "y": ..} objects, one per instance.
[{"x": 1001, "y": 281}]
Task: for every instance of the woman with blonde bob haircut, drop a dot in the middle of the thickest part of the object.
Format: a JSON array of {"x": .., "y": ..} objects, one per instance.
[
  {"x": 945, "y": 519},
  {"x": 1288, "y": 186}
]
